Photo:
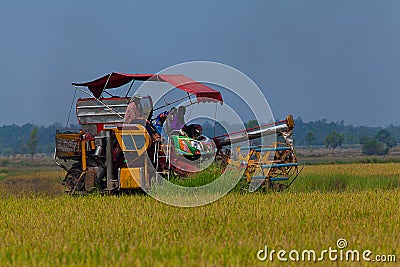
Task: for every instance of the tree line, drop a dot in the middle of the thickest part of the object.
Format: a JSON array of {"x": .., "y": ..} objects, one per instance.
[
  {"x": 378, "y": 145},
  {"x": 315, "y": 132},
  {"x": 374, "y": 140},
  {"x": 30, "y": 138}
]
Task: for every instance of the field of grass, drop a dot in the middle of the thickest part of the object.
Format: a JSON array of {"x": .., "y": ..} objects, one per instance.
[
  {"x": 348, "y": 177},
  {"x": 358, "y": 202}
]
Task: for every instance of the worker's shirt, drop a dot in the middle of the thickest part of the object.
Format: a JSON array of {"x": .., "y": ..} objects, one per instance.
[{"x": 131, "y": 113}]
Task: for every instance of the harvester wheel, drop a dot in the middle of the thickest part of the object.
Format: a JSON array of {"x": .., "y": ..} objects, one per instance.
[
  {"x": 276, "y": 187},
  {"x": 222, "y": 157},
  {"x": 74, "y": 181}
]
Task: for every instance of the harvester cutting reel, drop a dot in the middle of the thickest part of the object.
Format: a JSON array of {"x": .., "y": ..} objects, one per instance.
[{"x": 275, "y": 165}]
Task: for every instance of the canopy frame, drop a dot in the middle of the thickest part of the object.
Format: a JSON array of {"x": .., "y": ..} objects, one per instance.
[{"x": 202, "y": 92}]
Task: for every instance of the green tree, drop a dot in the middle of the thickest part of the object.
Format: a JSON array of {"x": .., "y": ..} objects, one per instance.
[
  {"x": 310, "y": 137},
  {"x": 251, "y": 124},
  {"x": 384, "y": 137},
  {"x": 364, "y": 140},
  {"x": 334, "y": 140},
  {"x": 7, "y": 152},
  {"x": 374, "y": 147},
  {"x": 32, "y": 142}
]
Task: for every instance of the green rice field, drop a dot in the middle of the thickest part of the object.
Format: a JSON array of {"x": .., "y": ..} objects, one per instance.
[{"x": 39, "y": 226}]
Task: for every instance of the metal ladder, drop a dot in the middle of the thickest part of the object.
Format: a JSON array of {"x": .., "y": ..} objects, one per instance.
[{"x": 167, "y": 156}]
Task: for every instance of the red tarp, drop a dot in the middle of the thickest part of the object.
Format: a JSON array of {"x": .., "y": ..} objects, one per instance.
[{"x": 115, "y": 79}]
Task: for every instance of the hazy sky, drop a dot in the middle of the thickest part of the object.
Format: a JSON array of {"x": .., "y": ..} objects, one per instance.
[{"x": 338, "y": 60}]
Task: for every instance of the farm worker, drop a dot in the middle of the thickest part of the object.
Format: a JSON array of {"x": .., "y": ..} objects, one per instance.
[
  {"x": 159, "y": 121},
  {"x": 168, "y": 121},
  {"x": 132, "y": 113},
  {"x": 179, "y": 119}
]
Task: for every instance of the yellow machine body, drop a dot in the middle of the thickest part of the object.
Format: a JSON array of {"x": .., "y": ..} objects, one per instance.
[
  {"x": 129, "y": 178},
  {"x": 134, "y": 141}
]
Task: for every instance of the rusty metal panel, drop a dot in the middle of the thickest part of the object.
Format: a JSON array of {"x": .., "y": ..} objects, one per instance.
[
  {"x": 68, "y": 145},
  {"x": 91, "y": 111},
  {"x": 90, "y": 178},
  {"x": 90, "y": 128}
]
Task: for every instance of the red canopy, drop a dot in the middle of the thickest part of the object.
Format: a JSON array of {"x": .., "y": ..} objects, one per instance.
[{"x": 115, "y": 79}]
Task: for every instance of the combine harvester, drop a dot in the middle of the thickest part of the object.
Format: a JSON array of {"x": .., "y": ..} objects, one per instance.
[{"x": 110, "y": 155}]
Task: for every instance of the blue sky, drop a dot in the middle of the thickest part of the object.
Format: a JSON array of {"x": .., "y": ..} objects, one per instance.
[{"x": 338, "y": 60}]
